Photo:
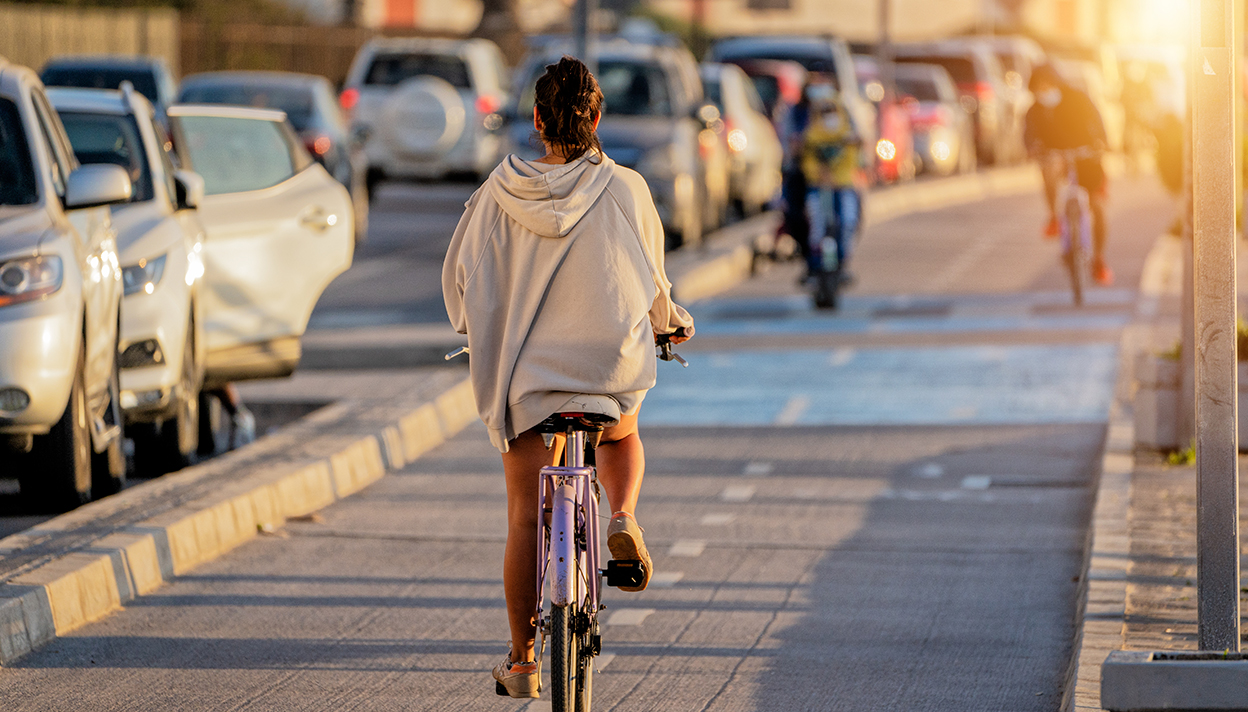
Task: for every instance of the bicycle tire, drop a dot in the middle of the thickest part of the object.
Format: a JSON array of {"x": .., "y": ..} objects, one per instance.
[
  {"x": 584, "y": 683},
  {"x": 1077, "y": 261},
  {"x": 564, "y": 657}
]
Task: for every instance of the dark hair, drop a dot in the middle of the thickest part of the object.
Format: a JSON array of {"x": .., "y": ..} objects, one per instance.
[
  {"x": 568, "y": 102},
  {"x": 1044, "y": 74}
]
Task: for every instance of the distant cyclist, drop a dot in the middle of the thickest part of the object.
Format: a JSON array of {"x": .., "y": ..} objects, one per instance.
[
  {"x": 556, "y": 275},
  {"x": 1064, "y": 118}
]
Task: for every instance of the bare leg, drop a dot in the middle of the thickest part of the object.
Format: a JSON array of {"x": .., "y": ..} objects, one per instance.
[
  {"x": 522, "y": 464},
  {"x": 621, "y": 463}
]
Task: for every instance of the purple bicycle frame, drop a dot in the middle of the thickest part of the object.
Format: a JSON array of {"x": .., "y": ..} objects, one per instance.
[{"x": 566, "y": 494}]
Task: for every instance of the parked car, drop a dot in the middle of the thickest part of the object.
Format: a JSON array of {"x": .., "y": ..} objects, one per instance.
[
  {"x": 160, "y": 244},
  {"x": 944, "y": 132},
  {"x": 778, "y": 83},
  {"x": 652, "y": 122},
  {"x": 830, "y": 56},
  {"x": 753, "y": 147},
  {"x": 894, "y": 154},
  {"x": 981, "y": 85},
  {"x": 427, "y": 108},
  {"x": 278, "y": 229},
  {"x": 60, "y": 297},
  {"x": 149, "y": 75},
  {"x": 311, "y": 108}
]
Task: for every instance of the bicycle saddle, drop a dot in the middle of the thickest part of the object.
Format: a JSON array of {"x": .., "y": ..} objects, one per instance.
[{"x": 587, "y": 412}]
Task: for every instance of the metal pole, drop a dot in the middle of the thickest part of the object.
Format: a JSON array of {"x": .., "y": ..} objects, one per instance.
[
  {"x": 1213, "y": 183},
  {"x": 884, "y": 58},
  {"x": 582, "y": 31}
]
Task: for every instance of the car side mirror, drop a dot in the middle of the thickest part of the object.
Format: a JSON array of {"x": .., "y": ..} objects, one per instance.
[
  {"x": 97, "y": 184},
  {"x": 190, "y": 187}
]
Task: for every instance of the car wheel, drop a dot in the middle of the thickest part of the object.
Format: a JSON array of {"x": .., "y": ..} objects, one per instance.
[
  {"x": 108, "y": 468},
  {"x": 59, "y": 478},
  {"x": 174, "y": 443},
  {"x": 214, "y": 432},
  {"x": 373, "y": 178}
]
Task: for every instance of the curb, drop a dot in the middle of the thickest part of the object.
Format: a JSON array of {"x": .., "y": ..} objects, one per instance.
[
  {"x": 85, "y": 585},
  {"x": 1101, "y": 607}
]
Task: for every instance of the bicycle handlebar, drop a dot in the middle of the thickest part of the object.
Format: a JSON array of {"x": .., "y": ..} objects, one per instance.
[{"x": 664, "y": 343}]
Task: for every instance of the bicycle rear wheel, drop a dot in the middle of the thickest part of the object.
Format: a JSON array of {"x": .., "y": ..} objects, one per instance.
[
  {"x": 1076, "y": 260},
  {"x": 565, "y": 657}
]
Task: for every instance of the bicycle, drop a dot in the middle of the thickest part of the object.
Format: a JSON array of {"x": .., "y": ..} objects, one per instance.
[
  {"x": 1075, "y": 218},
  {"x": 568, "y": 546}
]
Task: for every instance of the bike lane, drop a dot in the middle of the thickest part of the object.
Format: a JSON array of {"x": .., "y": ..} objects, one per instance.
[{"x": 878, "y": 509}]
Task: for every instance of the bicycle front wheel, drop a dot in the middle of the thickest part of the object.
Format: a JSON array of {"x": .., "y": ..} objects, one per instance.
[{"x": 565, "y": 657}]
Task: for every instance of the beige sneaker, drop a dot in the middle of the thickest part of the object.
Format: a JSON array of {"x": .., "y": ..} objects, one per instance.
[
  {"x": 517, "y": 679},
  {"x": 625, "y": 542}
]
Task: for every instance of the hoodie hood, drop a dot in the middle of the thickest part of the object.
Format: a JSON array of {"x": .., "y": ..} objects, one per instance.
[{"x": 550, "y": 203}]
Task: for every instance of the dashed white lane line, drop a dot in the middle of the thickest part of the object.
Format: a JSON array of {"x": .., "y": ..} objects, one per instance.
[
  {"x": 602, "y": 661},
  {"x": 629, "y": 616},
  {"x": 976, "y": 482},
  {"x": 758, "y": 469},
  {"x": 930, "y": 471},
  {"x": 793, "y": 410},
  {"x": 687, "y": 548},
  {"x": 666, "y": 579},
  {"x": 841, "y": 357},
  {"x": 737, "y": 493},
  {"x": 717, "y": 520}
]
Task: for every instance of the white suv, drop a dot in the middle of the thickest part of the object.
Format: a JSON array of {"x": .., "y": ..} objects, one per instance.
[
  {"x": 60, "y": 293},
  {"x": 426, "y": 108}
]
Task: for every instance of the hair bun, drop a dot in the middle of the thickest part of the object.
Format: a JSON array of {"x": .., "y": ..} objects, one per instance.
[{"x": 568, "y": 100}]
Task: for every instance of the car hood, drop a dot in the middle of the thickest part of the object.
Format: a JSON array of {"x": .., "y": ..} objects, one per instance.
[
  {"x": 22, "y": 230},
  {"x": 144, "y": 230}
]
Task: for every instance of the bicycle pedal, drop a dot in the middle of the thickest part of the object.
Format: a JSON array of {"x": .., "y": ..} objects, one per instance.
[{"x": 625, "y": 572}]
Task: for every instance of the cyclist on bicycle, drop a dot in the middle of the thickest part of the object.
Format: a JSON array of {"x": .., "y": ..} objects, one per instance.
[
  {"x": 1064, "y": 118},
  {"x": 829, "y": 161},
  {"x": 556, "y": 275}
]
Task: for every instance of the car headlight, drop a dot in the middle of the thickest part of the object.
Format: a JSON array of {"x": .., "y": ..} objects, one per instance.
[
  {"x": 29, "y": 278},
  {"x": 144, "y": 276}
]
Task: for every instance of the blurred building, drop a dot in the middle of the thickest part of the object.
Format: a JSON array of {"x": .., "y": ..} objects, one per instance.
[{"x": 438, "y": 16}]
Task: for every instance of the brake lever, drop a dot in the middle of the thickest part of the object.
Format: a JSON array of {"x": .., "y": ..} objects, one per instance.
[{"x": 666, "y": 354}]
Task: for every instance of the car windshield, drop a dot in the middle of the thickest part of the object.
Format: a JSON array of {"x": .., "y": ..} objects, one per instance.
[
  {"x": 811, "y": 62},
  {"x": 961, "y": 69},
  {"x": 296, "y": 101},
  {"x": 389, "y": 69},
  {"x": 713, "y": 91},
  {"x": 17, "y": 173},
  {"x": 235, "y": 155},
  {"x": 110, "y": 138},
  {"x": 144, "y": 81},
  {"x": 633, "y": 89},
  {"x": 921, "y": 89}
]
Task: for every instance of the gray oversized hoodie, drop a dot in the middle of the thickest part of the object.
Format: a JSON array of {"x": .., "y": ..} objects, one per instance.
[{"x": 555, "y": 273}]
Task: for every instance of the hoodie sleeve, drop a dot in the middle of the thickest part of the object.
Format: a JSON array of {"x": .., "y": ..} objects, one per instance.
[
  {"x": 460, "y": 259},
  {"x": 666, "y": 316}
]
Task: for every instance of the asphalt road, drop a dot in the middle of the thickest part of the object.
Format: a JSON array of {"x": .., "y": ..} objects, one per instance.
[{"x": 878, "y": 509}]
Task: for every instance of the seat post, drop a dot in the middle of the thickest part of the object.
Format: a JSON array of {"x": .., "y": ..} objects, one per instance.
[{"x": 576, "y": 448}]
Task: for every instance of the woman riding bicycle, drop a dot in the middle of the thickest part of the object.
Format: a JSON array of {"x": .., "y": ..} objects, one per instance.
[{"x": 556, "y": 275}]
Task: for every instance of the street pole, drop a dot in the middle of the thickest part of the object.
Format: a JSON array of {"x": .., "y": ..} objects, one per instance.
[
  {"x": 884, "y": 59},
  {"x": 1213, "y": 221},
  {"x": 583, "y": 33}
]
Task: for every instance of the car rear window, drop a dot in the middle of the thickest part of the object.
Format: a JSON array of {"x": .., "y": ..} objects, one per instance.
[
  {"x": 297, "y": 102},
  {"x": 236, "y": 155},
  {"x": 109, "y": 138},
  {"x": 101, "y": 78},
  {"x": 712, "y": 90},
  {"x": 962, "y": 69},
  {"x": 633, "y": 89},
  {"x": 921, "y": 89},
  {"x": 389, "y": 69},
  {"x": 768, "y": 88},
  {"x": 17, "y": 173}
]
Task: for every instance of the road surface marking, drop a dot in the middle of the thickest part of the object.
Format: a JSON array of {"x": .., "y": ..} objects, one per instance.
[
  {"x": 629, "y": 616},
  {"x": 716, "y": 520},
  {"x": 603, "y": 661},
  {"x": 976, "y": 482},
  {"x": 687, "y": 548},
  {"x": 737, "y": 493},
  {"x": 758, "y": 469},
  {"x": 806, "y": 494},
  {"x": 930, "y": 471},
  {"x": 793, "y": 410},
  {"x": 840, "y": 357},
  {"x": 666, "y": 579}
]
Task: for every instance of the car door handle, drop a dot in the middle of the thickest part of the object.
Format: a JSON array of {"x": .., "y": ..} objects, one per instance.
[{"x": 315, "y": 218}]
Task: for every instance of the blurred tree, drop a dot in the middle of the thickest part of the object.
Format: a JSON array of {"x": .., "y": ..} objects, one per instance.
[{"x": 500, "y": 24}]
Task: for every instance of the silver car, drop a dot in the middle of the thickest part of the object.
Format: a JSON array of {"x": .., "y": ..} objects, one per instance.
[
  {"x": 160, "y": 242},
  {"x": 60, "y": 296}
]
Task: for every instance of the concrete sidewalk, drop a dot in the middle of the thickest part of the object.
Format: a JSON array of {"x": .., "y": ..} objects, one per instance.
[{"x": 1141, "y": 575}]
